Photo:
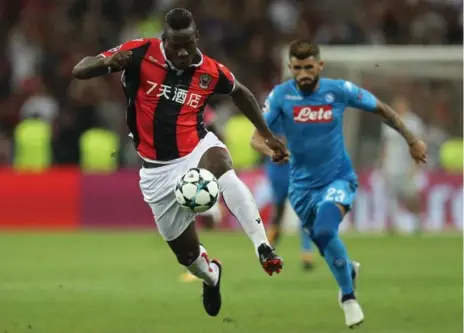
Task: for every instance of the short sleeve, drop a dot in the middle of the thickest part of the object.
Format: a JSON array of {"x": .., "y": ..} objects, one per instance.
[
  {"x": 226, "y": 81},
  {"x": 357, "y": 97},
  {"x": 273, "y": 114},
  {"x": 130, "y": 45}
]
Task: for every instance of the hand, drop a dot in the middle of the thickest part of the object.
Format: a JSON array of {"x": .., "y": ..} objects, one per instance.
[
  {"x": 119, "y": 60},
  {"x": 418, "y": 151},
  {"x": 281, "y": 161},
  {"x": 280, "y": 152}
]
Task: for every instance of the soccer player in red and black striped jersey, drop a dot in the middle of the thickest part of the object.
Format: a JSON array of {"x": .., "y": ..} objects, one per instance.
[{"x": 167, "y": 83}]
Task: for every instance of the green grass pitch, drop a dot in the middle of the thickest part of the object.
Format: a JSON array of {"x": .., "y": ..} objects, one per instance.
[{"x": 128, "y": 283}]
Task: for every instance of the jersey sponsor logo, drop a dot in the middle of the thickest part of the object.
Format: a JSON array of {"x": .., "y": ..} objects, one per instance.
[
  {"x": 178, "y": 95},
  {"x": 313, "y": 114},
  {"x": 293, "y": 97}
]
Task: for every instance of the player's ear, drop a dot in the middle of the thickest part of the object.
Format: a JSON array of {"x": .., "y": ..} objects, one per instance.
[
  {"x": 321, "y": 65},
  {"x": 163, "y": 37},
  {"x": 197, "y": 35}
]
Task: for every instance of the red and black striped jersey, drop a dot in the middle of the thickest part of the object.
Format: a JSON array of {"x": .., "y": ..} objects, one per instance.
[{"x": 165, "y": 105}]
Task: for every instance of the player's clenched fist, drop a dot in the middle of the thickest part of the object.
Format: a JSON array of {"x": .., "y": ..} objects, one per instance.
[
  {"x": 278, "y": 147},
  {"x": 119, "y": 60},
  {"x": 418, "y": 151}
]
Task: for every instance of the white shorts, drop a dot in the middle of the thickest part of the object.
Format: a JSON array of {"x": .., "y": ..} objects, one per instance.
[{"x": 158, "y": 186}]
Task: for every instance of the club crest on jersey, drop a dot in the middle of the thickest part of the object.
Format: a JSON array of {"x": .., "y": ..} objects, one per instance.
[
  {"x": 329, "y": 97},
  {"x": 313, "y": 114},
  {"x": 205, "y": 80}
]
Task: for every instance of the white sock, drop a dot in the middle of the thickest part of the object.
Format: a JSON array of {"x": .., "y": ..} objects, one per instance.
[
  {"x": 242, "y": 205},
  {"x": 203, "y": 269}
]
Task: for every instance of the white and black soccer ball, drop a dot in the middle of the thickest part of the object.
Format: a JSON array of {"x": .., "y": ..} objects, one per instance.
[{"x": 197, "y": 190}]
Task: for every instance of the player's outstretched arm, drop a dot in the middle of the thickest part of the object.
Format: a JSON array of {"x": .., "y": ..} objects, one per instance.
[
  {"x": 90, "y": 67},
  {"x": 258, "y": 143},
  {"x": 393, "y": 120},
  {"x": 247, "y": 103},
  {"x": 417, "y": 148},
  {"x": 362, "y": 99}
]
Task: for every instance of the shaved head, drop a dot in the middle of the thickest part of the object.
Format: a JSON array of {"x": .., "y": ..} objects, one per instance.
[
  {"x": 180, "y": 37},
  {"x": 179, "y": 18}
]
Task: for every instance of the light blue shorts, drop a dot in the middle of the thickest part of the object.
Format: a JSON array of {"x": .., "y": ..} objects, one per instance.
[{"x": 306, "y": 202}]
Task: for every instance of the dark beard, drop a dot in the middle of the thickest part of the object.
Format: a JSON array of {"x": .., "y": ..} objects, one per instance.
[{"x": 308, "y": 88}]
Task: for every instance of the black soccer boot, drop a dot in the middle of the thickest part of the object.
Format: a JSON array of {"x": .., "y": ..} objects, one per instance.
[
  {"x": 270, "y": 261},
  {"x": 212, "y": 294}
]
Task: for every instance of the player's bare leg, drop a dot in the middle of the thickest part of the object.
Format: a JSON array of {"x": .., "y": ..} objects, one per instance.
[
  {"x": 241, "y": 204},
  {"x": 191, "y": 254},
  {"x": 208, "y": 223},
  {"x": 208, "y": 220}
]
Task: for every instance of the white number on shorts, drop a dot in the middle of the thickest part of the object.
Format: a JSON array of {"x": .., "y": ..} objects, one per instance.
[
  {"x": 335, "y": 195},
  {"x": 153, "y": 85}
]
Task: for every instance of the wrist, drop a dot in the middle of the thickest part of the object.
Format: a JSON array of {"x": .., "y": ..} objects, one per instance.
[
  {"x": 106, "y": 63},
  {"x": 269, "y": 153}
]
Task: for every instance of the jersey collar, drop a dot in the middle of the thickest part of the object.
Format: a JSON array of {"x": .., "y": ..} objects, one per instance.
[{"x": 197, "y": 64}]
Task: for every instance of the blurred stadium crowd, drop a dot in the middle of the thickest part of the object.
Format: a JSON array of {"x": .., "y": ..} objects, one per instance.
[{"x": 40, "y": 41}]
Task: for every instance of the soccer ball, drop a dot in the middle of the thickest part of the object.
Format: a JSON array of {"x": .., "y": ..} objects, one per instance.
[{"x": 197, "y": 190}]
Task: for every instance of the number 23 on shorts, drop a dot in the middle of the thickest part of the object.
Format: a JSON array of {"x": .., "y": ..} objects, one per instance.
[{"x": 335, "y": 194}]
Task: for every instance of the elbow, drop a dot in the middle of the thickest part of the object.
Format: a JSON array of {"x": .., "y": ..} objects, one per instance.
[
  {"x": 77, "y": 73},
  {"x": 80, "y": 70}
]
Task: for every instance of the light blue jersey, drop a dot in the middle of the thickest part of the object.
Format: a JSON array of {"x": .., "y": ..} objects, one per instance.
[{"x": 320, "y": 168}]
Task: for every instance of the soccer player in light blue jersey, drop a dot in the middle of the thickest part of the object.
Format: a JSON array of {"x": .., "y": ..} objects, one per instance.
[{"x": 308, "y": 111}]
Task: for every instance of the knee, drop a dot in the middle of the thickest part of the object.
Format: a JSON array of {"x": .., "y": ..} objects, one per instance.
[
  {"x": 188, "y": 257},
  {"x": 218, "y": 168},
  {"x": 322, "y": 235},
  {"x": 326, "y": 225},
  {"x": 217, "y": 161}
]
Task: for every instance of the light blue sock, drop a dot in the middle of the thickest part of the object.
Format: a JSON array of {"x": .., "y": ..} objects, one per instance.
[
  {"x": 306, "y": 245},
  {"x": 325, "y": 235},
  {"x": 337, "y": 258}
]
